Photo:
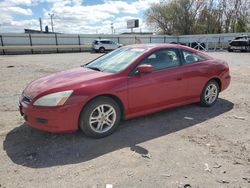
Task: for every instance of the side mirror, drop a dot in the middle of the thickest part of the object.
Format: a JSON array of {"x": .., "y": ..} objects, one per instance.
[{"x": 145, "y": 68}]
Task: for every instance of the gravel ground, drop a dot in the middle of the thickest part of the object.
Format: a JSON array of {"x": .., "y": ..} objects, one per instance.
[{"x": 188, "y": 146}]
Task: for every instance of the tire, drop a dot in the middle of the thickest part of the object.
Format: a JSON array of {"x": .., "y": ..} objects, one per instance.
[
  {"x": 102, "y": 124},
  {"x": 209, "y": 99},
  {"x": 101, "y": 49},
  {"x": 243, "y": 50},
  {"x": 229, "y": 50}
]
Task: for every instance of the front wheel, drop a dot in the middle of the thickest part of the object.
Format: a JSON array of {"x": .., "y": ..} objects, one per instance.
[
  {"x": 102, "y": 50},
  {"x": 229, "y": 49},
  {"x": 100, "y": 117},
  {"x": 209, "y": 94}
]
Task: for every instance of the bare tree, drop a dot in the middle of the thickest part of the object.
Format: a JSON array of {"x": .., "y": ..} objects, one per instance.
[
  {"x": 199, "y": 16},
  {"x": 159, "y": 17}
]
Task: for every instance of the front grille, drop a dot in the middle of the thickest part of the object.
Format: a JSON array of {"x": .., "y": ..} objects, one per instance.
[{"x": 26, "y": 99}]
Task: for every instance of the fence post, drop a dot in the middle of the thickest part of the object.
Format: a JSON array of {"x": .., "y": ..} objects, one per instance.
[
  {"x": 207, "y": 47},
  {"x": 118, "y": 40},
  {"x": 164, "y": 39},
  {"x": 150, "y": 39},
  {"x": 219, "y": 44},
  {"x": 2, "y": 44},
  {"x": 31, "y": 43},
  {"x": 79, "y": 42},
  {"x": 177, "y": 39},
  {"x": 56, "y": 42}
]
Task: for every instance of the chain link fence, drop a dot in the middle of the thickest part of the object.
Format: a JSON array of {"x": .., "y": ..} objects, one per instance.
[{"x": 58, "y": 43}]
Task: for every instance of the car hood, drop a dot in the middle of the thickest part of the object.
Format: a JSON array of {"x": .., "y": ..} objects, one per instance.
[{"x": 60, "y": 81}]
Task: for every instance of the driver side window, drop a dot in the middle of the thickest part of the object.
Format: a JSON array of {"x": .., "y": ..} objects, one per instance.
[{"x": 162, "y": 59}]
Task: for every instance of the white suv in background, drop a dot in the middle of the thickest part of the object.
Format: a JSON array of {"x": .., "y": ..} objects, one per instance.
[{"x": 101, "y": 45}]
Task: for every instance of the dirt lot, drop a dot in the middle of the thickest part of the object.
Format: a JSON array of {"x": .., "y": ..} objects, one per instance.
[{"x": 188, "y": 146}]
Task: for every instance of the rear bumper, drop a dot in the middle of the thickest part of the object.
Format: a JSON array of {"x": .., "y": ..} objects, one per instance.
[
  {"x": 225, "y": 81},
  {"x": 51, "y": 119}
]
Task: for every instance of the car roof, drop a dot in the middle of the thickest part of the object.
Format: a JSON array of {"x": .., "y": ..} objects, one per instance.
[
  {"x": 102, "y": 39},
  {"x": 159, "y": 46},
  {"x": 156, "y": 45}
]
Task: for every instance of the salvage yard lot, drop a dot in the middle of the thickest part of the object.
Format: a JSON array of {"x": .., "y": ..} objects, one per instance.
[{"x": 189, "y": 145}]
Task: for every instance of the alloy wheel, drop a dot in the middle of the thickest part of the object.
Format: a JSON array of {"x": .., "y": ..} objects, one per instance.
[
  {"x": 102, "y": 118},
  {"x": 211, "y": 93}
]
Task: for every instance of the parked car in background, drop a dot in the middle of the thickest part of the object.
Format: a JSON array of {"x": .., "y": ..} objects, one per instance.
[
  {"x": 240, "y": 43},
  {"x": 102, "y": 45},
  {"x": 129, "y": 82}
]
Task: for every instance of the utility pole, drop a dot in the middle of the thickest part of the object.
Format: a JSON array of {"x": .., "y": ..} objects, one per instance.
[
  {"x": 51, "y": 19},
  {"x": 41, "y": 24},
  {"x": 112, "y": 29}
]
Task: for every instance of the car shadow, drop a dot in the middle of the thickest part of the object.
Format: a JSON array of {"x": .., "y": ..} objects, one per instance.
[{"x": 32, "y": 148}]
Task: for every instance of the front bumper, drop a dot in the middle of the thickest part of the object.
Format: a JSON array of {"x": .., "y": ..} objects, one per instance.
[{"x": 51, "y": 119}]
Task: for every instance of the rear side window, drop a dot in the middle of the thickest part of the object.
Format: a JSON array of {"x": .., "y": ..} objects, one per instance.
[
  {"x": 190, "y": 57},
  {"x": 238, "y": 43},
  {"x": 105, "y": 42}
]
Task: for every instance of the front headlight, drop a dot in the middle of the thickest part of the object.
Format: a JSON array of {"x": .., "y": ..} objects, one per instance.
[{"x": 54, "y": 99}]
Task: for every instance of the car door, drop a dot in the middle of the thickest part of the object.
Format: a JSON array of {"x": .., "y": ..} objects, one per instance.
[
  {"x": 164, "y": 86},
  {"x": 105, "y": 44}
]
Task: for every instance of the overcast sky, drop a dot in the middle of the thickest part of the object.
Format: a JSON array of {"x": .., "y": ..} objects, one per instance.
[{"x": 72, "y": 16}]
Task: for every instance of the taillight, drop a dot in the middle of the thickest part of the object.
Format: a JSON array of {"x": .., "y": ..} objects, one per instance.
[{"x": 225, "y": 66}]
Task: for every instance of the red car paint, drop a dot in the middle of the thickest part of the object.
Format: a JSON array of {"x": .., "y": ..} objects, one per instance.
[{"x": 138, "y": 94}]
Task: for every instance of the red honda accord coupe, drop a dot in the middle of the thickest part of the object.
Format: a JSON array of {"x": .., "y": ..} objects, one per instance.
[{"x": 131, "y": 81}]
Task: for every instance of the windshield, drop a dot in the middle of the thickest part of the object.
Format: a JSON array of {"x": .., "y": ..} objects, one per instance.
[{"x": 117, "y": 60}]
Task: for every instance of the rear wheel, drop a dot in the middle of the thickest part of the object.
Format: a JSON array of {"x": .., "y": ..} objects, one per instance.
[
  {"x": 244, "y": 50},
  {"x": 210, "y": 93},
  {"x": 102, "y": 49},
  {"x": 100, "y": 117}
]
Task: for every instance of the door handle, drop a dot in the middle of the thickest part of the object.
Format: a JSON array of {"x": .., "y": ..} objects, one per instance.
[{"x": 179, "y": 78}]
